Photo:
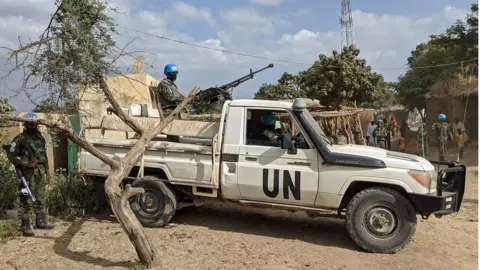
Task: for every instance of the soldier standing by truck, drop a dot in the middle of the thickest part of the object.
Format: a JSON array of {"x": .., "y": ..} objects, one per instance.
[
  {"x": 443, "y": 133},
  {"x": 28, "y": 153},
  {"x": 380, "y": 135}
]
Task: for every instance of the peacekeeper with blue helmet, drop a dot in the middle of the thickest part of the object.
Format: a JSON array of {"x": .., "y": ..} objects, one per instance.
[
  {"x": 272, "y": 128},
  {"x": 168, "y": 91},
  {"x": 443, "y": 132}
]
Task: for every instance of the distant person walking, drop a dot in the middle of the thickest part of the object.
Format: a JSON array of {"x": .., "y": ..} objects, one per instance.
[
  {"x": 370, "y": 139},
  {"x": 380, "y": 135},
  {"x": 404, "y": 132},
  {"x": 443, "y": 133},
  {"x": 459, "y": 136},
  {"x": 422, "y": 140}
]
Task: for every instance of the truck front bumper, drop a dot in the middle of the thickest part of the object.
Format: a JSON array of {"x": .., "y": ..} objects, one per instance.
[{"x": 449, "y": 195}]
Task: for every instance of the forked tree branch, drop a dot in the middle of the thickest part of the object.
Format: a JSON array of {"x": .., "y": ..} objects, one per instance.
[
  {"x": 69, "y": 132},
  {"x": 117, "y": 109}
]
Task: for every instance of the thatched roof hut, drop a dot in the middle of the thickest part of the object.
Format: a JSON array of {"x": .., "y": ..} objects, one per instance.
[{"x": 342, "y": 125}]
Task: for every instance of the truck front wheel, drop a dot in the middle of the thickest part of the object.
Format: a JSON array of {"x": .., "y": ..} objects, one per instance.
[
  {"x": 380, "y": 220},
  {"x": 157, "y": 206}
]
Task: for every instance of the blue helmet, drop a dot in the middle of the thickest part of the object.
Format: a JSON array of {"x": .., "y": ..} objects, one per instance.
[
  {"x": 170, "y": 68},
  {"x": 30, "y": 115},
  {"x": 442, "y": 116},
  {"x": 268, "y": 119},
  {"x": 380, "y": 121}
]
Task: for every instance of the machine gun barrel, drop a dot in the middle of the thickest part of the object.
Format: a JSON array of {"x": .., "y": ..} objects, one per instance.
[{"x": 236, "y": 82}]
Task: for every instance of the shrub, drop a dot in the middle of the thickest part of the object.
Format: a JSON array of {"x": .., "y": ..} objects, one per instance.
[
  {"x": 8, "y": 230},
  {"x": 9, "y": 182},
  {"x": 69, "y": 196}
]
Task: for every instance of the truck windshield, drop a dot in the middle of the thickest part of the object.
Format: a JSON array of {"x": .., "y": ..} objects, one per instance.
[{"x": 313, "y": 124}]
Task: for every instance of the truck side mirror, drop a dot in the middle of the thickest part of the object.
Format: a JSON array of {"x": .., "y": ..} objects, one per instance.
[{"x": 287, "y": 143}]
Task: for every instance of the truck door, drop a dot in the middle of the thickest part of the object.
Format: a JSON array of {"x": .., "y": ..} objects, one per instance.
[{"x": 268, "y": 173}]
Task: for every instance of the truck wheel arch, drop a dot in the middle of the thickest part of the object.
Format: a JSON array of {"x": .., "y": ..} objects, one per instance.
[
  {"x": 350, "y": 188},
  {"x": 158, "y": 170}
]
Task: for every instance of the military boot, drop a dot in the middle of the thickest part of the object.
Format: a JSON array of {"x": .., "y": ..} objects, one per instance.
[
  {"x": 442, "y": 158},
  {"x": 461, "y": 153},
  {"x": 41, "y": 224},
  {"x": 26, "y": 228}
]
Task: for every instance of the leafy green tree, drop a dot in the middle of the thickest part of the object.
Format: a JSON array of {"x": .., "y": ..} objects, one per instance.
[
  {"x": 458, "y": 43},
  {"x": 383, "y": 96},
  {"x": 49, "y": 105},
  {"x": 342, "y": 79},
  {"x": 5, "y": 107},
  {"x": 286, "y": 88}
]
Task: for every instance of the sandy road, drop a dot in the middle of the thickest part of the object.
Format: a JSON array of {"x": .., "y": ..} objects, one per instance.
[{"x": 223, "y": 238}]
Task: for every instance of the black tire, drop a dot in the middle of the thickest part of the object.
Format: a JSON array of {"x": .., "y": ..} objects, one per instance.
[
  {"x": 163, "y": 197},
  {"x": 359, "y": 218}
]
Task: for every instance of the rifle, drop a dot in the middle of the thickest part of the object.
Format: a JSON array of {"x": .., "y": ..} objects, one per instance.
[{"x": 26, "y": 189}]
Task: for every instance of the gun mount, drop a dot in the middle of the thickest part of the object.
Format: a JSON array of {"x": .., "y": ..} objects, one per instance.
[{"x": 219, "y": 94}]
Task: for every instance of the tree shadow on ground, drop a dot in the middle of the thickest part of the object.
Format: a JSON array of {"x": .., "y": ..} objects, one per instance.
[
  {"x": 62, "y": 243},
  {"x": 329, "y": 232}
]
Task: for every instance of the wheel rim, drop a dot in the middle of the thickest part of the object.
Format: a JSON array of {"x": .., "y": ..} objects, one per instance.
[
  {"x": 381, "y": 221},
  {"x": 150, "y": 203}
]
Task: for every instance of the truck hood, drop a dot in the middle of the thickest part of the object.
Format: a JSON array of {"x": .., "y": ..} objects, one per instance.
[{"x": 392, "y": 159}]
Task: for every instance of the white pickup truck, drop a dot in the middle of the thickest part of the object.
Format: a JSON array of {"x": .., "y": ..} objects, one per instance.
[{"x": 378, "y": 192}]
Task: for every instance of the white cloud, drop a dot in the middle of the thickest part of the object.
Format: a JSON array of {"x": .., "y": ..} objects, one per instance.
[
  {"x": 384, "y": 39},
  {"x": 250, "y": 20},
  {"x": 151, "y": 19},
  {"x": 181, "y": 9},
  {"x": 267, "y": 2}
]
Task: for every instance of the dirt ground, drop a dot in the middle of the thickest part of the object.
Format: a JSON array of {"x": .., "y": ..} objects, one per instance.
[{"x": 226, "y": 238}]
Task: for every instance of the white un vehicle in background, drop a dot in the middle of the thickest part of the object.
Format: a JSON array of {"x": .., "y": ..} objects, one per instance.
[{"x": 378, "y": 192}]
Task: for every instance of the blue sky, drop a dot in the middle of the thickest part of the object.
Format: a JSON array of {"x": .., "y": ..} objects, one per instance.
[{"x": 293, "y": 30}]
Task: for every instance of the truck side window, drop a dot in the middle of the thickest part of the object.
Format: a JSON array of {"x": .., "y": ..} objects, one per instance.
[{"x": 283, "y": 123}]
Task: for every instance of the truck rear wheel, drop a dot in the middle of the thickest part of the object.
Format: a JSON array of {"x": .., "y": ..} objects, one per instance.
[
  {"x": 157, "y": 206},
  {"x": 380, "y": 220}
]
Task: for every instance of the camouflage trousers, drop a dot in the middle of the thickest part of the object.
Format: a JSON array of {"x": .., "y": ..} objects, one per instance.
[
  {"x": 37, "y": 182},
  {"x": 425, "y": 147},
  {"x": 382, "y": 144},
  {"x": 442, "y": 146}
]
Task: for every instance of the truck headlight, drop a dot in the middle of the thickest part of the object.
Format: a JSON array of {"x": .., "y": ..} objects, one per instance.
[
  {"x": 433, "y": 183},
  {"x": 427, "y": 179}
]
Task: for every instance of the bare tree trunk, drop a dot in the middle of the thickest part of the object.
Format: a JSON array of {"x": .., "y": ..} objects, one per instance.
[{"x": 119, "y": 200}]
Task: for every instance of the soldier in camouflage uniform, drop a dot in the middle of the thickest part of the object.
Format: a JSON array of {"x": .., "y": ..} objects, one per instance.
[
  {"x": 422, "y": 140},
  {"x": 443, "y": 132},
  {"x": 380, "y": 135},
  {"x": 168, "y": 90},
  {"x": 390, "y": 127},
  {"x": 28, "y": 152}
]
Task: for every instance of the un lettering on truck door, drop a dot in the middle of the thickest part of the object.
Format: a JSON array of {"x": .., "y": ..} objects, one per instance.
[
  {"x": 266, "y": 172},
  {"x": 289, "y": 184}
]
